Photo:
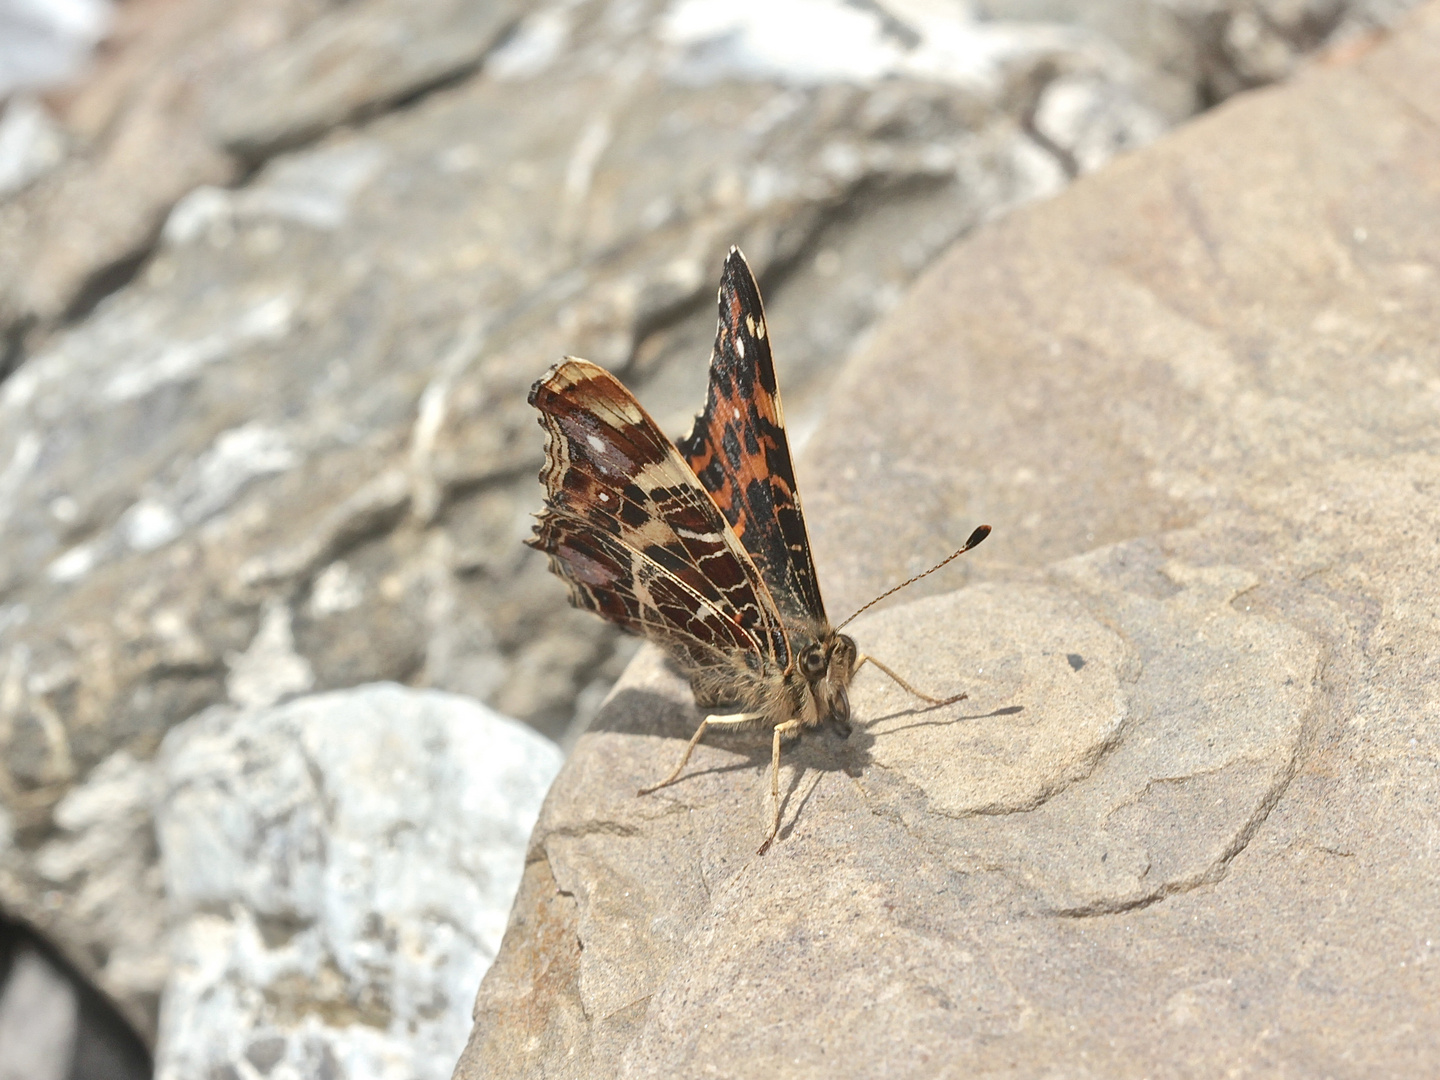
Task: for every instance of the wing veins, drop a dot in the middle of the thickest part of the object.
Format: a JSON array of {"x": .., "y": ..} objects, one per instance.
[
  {"x": 617, "y": 427},
  {"x": 727, "y": 616}
]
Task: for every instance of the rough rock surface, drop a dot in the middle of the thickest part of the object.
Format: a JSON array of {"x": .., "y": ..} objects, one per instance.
[
  {"x": 272, "y": 318},
  {"x": 293, "y": 453},
  {"x": 1185, "y": 824},
  {"x": 190, "y": 93},
  {"x": 339, "y": 869},
  {"x": 199, "y": 91}
]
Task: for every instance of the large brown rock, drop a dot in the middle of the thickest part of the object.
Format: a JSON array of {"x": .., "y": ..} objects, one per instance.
[{"x": 1186, "y": 822}]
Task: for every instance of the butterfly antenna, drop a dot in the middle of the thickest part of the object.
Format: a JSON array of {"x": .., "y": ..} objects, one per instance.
[{"x": 975, "y": 538}]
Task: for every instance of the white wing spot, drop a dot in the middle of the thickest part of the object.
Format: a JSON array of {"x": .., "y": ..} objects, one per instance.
[
  {"x": 736, "y": 411},
  {"x": 604, "y": 496},
  {"x": 740, "y": 346},
  {"x": 759, "y": 330},
  {"x": 690, "y": 534},
  {"x": 596, "y": 443}
]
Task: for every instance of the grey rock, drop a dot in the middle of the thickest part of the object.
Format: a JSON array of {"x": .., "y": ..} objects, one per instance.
[
  {"x": 42, "y": 44},
  {"x": 136, "y": 136},
  {"x": 1089, "y": 120},
  {"x": 185, "y": 96},
  {"x": 339, "y": 869},
  {"x": 1182, "y": 824},
  {"x": 38, "y": 1014},
  {"x": 30, "y": 144},
  {"x": 100, "y": 867},
  {"x": 356, "y": 59},
  {"x": 1202, "y": 51},
  {"x": 269, "y": 669}
]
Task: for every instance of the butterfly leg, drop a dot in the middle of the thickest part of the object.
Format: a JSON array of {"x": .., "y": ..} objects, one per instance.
[
  {"x": 732, "y": 720},
  {"x": 782, "y": 731},
  {"x": 863, "y": 660}
]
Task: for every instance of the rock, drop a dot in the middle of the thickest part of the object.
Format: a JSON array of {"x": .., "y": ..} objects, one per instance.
[
  {"x": 53, "y": 1023},
  {"x": 355, "y": 60},
  {"x": 37, "y": 1020},
  {"x": 1180, "y": 824},
  {"x": 187, "y": 95},
  {"x": 101, "y": 868},
  {"x": 44, "y": 44},
  {"x": 1204, "y": 51},
  {"x": 339, "y": 869},
  {"x": 135, "y": 137},
  {"x": 30, "y": 144},
  {"x": 267, "y": 434},
  {"x": 318, "y": 463}
]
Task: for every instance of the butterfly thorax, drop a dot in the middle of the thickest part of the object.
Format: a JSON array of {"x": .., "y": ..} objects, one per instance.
[{"x": 813, "y": 689}]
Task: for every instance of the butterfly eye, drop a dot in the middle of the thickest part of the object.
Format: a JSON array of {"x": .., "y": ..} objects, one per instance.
[{"x": 812, "y": 661}]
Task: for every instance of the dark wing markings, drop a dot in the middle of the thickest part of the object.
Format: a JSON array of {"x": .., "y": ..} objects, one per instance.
[
  {"x": 740, "y": 453},
  {"x": 618, "y": 492}
]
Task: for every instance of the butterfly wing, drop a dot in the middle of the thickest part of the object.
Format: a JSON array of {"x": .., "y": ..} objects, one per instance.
[
  {"x": 739, "y": 451},
  {"x": 629, "y": 528}
]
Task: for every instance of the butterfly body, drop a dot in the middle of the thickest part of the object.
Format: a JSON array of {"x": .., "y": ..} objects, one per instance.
[
  {"x": 699, "y": 546},
  {"x": 777, "y": 696}
]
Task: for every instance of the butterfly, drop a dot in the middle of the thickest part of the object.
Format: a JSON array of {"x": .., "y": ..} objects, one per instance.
[{"x": 700, "y": 546}]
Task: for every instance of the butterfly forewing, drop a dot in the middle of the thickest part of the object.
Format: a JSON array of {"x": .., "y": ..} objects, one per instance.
[
  {"x": 739, "y": 451},
  {"x": 631, "y": 531}
]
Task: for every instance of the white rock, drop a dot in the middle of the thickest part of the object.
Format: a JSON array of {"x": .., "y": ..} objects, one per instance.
[
  {"x": 270, "y": 668},
  {"x": 31, "y": 144},
  {"x": 45, "y": 42},
  {"x": 340, "y": 869},
  {"x": 1094, "y": 119}
]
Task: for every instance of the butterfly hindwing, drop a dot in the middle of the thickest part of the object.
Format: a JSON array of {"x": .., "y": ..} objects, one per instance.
[
  {"x": 634, "y": 535},
  {"x": 739, "y": 451}
]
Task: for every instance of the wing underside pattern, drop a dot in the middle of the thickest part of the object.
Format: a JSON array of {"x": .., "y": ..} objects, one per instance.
[
  {"x": 636, "y": 538},
  {"x": 739, "y": 451}
]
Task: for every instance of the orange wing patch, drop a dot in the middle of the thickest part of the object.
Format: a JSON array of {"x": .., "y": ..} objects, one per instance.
[{"x": 739, "y": 451}]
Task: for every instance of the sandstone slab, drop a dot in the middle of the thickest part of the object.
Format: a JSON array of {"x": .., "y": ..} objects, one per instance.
[
  {"x": 1184, "y": 824},
  {"x": 277, "y": 277}
]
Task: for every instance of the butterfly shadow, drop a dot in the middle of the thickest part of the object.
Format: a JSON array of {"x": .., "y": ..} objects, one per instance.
[
  {"x": 851, "y": 755},
  {"x": 821, "y": 750},
  {"x": 635, "y": 711}
]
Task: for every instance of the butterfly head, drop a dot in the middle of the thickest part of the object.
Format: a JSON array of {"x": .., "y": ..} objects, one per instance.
[{"x": 828, "y": 664}]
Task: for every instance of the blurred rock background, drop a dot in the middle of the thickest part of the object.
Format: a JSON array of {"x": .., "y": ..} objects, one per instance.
[{"x": 274, "y": 280}]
